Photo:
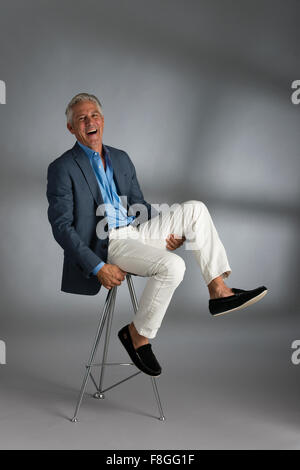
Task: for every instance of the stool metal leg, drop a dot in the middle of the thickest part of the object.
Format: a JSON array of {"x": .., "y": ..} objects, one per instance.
[
  {"x": 153, "y": 379},
  {"x": 105, "y": 312},
  {"x": 99, "y": 393}
]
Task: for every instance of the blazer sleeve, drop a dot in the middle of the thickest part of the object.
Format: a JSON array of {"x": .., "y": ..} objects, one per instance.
[
  {"x": 60, "y": 216},
  {"x": 135, "y": 194}
]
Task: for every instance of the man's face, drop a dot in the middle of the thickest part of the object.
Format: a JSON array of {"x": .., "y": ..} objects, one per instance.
[{"x": 87, "y": 124}]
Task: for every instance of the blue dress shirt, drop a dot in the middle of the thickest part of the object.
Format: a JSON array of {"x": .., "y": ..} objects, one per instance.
[{"x": 116, "y": 212}]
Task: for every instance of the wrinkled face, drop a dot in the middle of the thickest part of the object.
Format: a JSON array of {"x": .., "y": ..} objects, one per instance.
[{"x": 87, "y": 124}]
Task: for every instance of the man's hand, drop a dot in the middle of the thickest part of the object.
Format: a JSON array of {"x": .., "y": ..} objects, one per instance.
[
  {"x": 174, "y": 241},
  {"x": 111, "y": 275}
]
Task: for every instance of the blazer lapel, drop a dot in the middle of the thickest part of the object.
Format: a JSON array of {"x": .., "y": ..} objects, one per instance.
[
  {"x": 120, "y": 177},
  {"x": 83, "y": 161}
]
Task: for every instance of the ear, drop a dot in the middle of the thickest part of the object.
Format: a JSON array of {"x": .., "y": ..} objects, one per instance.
[{"x": 69, "y": 126}]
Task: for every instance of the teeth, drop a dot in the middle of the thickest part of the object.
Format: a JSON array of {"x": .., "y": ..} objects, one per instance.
[{"x": 93, "y": 130}]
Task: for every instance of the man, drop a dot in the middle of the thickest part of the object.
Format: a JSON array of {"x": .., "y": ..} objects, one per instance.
[{"x": 93, "y": 177}]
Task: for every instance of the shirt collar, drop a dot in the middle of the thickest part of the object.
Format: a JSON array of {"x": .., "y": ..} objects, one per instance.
[{"x": 90, "y": 152}]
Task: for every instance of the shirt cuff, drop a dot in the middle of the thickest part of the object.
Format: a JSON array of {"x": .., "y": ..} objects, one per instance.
[{"x": 99, "y": 266}]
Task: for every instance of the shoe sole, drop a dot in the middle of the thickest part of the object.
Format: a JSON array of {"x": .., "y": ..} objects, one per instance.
[{"x": 246, "y": 304}]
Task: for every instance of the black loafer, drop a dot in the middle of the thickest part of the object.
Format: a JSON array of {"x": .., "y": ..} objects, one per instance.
[
  {"x": 240, "y": 299},
  {"x": 143, "y": 356}
]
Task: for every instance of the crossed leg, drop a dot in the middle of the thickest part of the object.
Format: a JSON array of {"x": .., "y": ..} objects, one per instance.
[
  {"x": 193, "y": 220},
  {"x": 143, "y": 251}
]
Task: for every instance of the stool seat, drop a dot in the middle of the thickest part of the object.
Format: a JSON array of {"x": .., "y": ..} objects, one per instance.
[{"x": 106, "y": 317}]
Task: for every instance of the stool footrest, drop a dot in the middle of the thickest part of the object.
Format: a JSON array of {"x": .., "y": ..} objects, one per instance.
[
  {"x": 111, "y": 364},
  {"x": 118, "y": 383}
]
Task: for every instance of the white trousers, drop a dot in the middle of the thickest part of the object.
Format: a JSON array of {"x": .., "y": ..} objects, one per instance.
[{"x": 142, "y": 251}]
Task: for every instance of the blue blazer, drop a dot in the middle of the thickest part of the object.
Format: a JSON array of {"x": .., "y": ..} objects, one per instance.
[{"x": 73, "y": 195}]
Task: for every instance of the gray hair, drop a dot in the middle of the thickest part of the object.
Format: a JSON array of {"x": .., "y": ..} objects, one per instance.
[{"x": 77, "y": 99}]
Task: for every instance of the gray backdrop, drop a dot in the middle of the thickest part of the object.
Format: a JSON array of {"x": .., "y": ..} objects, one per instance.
[{"x": 198, "y": 94}]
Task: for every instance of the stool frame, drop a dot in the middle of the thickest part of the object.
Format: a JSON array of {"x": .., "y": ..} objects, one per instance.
[{"x": 107, "y": 317}]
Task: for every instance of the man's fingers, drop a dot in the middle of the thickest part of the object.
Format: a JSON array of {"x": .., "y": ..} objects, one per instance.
[
  {"x": 111, "y": 282},
  {"x": 175, "y": 238},
  {"x": 120, "y": 270},
  {"x": 171, "y": 246},
  {"x": 115, "y": 279},
  {"x": 172, "y": 243}
]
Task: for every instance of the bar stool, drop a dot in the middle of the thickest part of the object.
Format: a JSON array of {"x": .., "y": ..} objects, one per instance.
[{"x": 107, "y": 316}]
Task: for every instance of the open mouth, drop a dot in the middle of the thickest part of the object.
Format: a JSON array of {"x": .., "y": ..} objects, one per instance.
[{"x": 92, "y": 132}]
